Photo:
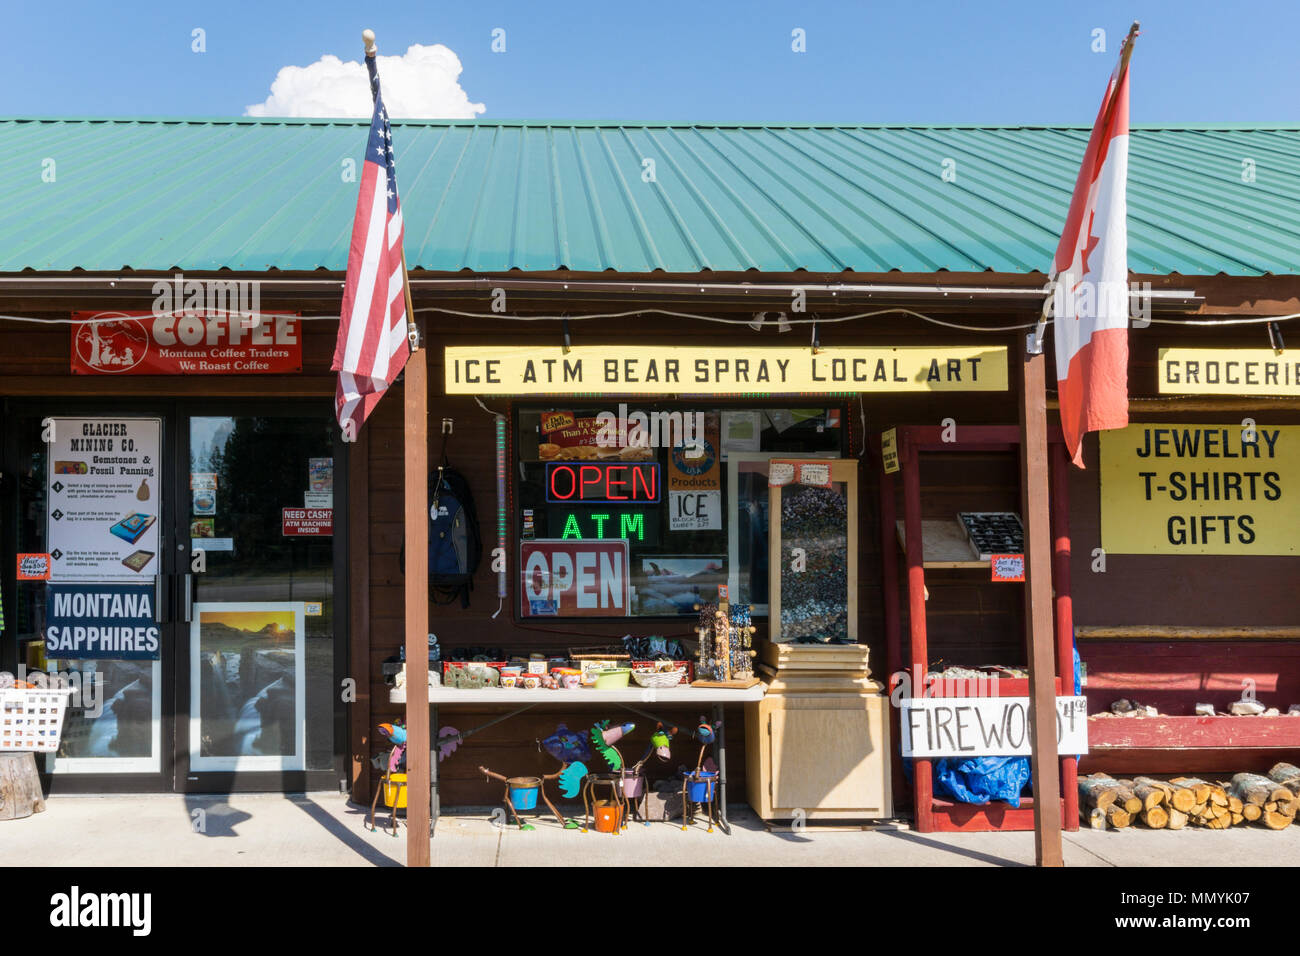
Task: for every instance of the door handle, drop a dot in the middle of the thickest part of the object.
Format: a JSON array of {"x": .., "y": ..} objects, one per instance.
[
  {"x": 189, "y": 597},
  {"x": 159, "y": 596}
]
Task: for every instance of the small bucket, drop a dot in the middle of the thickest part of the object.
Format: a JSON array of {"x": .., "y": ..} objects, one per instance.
[
  {"x": 609, "y": 817},
  {"x": 699, "y": 786},
  {"x": 395, "y": 791},
  {"x": 524, "y": 791},
  {"x": 633, "y": 785}
]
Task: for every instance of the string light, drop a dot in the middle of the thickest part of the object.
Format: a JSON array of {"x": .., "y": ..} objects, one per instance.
[
  {"x": 501, "y": 512},
  {"x": 785, "y": 323}
]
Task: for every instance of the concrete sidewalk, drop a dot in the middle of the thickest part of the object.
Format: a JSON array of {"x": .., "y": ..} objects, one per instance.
[{"x": 323, "y": 829}]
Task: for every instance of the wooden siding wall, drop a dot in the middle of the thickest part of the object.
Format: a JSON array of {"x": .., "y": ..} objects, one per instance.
[{"x": 971, "y": 622}]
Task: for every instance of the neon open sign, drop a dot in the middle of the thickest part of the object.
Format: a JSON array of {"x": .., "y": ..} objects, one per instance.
[{"x": 602, "y": 484}]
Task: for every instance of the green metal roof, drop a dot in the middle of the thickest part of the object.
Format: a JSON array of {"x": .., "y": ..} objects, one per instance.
[{"x": 254, "y": 195}]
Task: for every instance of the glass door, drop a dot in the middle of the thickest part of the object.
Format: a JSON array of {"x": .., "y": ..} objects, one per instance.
[
  {"x": 85, "y": 503},
  {"x": 258, "y": 694}
]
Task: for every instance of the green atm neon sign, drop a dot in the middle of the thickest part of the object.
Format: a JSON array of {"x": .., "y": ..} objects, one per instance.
[
  {"x": 631, "y": 527},
  {"x": 602, "y": 524}
]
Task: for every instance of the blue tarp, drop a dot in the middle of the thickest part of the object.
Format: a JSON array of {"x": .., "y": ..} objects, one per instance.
[{"x": 981, "y": 779}]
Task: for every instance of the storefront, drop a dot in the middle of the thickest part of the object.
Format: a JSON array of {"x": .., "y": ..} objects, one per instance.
[
  {"x": 191, "y": 507},
  {"x": 615, "y": 400}
]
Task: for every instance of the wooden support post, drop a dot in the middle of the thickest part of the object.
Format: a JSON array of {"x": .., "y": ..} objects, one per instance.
[
  {"x": 893, "y": 631},
  {"x": 1038, "y": 609},
  {"x": 1060, "y": 467},
  {"x": 359, "y": 613},
  {"x": 416, "y": 499},
  {"x": 922, "y": 781}
]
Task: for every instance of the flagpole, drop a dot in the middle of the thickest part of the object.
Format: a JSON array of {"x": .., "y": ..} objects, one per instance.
[
  {"x": 1035, "y": 340},
  {"x": 1045, "y": 764},
  {"x": 412, "y": 331},
  {"x": 415, "y": 409}
]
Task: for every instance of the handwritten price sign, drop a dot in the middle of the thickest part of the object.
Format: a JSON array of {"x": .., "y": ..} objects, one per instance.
[
  {"x": 33, "y": 567},
  {"x": 1008, "y": 567}
]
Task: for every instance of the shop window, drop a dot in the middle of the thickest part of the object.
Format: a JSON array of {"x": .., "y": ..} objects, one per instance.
[{"x": 642, "y": 510}]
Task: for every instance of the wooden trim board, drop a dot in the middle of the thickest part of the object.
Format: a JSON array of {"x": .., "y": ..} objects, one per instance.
[{"x": 1161, "y": 632}]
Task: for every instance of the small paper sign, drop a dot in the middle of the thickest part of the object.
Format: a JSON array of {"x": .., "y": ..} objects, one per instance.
[
  {"x": 780, "y": 473},
  {"x": 1008, "y": 567},
  {"x": 815, "y": 473},
  {"x": 33, "y": 567},
  {"x": 307, "y": 522},
  {"x": 889, "y": 450}
]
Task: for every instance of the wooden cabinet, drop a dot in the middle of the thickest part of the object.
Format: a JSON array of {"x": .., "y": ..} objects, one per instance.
[{"x": 818, "y": 742}]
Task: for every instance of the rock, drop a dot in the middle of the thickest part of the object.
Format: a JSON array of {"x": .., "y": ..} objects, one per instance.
[
  {"x": 1204, "y": 710},
  {"x": 1247, "y": 708}
]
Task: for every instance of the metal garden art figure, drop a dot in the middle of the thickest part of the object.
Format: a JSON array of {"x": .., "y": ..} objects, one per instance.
[
  {"x": 634, "y": 785},
  {"x": 522, "y": 793},
  {"x": 570, "y": 749},
  {"x": 394, "y": 789},
  {"x": 610, "y": 814},
  {"x": 699, "y": 786}
]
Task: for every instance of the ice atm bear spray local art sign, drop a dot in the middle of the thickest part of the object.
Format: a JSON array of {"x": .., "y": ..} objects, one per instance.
[{"x": 574, "y": 578}]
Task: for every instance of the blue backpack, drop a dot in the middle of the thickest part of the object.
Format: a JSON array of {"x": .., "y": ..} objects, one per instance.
[{"x": 455, "y": 545}]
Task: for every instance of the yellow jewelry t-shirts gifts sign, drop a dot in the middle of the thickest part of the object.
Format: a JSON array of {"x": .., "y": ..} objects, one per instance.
[{"x": 1200, "y": 489}]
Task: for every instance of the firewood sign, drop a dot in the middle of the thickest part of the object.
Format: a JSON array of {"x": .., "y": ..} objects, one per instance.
[{"x": 986, "y": 726}]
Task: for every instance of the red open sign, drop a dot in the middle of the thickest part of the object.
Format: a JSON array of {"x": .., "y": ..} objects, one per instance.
[{"x": 592, "y": 483}]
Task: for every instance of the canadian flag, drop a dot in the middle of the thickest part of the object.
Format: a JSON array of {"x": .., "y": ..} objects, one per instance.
[{"x": 1090, "y": 300}]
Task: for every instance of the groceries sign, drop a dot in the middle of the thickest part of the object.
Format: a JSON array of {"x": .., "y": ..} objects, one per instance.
[
  {"x": 574, "y": 578},
  {"x": 1228, "y": 372},
  {"x": 1200, "y": 489},
  {"x": 188, "y": 343},
  {"x": 721, "y": 370}
]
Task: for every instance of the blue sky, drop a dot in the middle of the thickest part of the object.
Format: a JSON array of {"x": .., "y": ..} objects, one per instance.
[{"x": 663, "y": 60}]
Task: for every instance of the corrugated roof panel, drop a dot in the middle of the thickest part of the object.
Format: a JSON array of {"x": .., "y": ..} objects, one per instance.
[{"x": 251, "y": 195}]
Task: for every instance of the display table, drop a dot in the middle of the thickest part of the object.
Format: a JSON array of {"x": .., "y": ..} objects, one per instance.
[{"x": 515, "y": 701}]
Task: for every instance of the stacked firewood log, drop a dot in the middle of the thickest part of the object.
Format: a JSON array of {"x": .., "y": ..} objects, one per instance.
[{"x": 1271, "y": 801}]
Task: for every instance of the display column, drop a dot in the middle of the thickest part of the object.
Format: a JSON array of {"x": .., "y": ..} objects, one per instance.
[{"x": 818, "y": 742}]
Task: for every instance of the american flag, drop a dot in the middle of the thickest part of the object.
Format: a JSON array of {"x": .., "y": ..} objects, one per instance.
[{"x": 372, "y": 347}]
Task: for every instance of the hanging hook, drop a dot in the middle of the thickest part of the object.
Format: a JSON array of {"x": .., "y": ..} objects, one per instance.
[
  {"x": 816, "y": 340},
  {"x": 564, "y": 327}
]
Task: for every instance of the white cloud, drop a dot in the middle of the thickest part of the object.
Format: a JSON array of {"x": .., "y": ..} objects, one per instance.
[{"x": 423, "y": 83}]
